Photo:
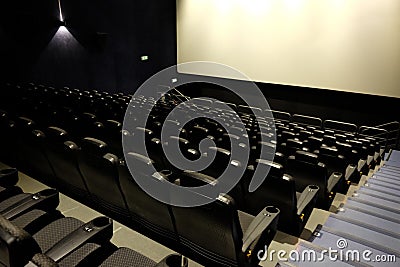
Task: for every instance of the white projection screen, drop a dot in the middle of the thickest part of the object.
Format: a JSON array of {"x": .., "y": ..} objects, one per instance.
[{"x": 346, "y": 45}]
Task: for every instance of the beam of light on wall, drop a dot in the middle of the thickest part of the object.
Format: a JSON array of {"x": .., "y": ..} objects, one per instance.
[
  {"x": 64, "y": 39},
  {"x": 63, "y": 31},
  {"x": 67, "y": 58},
  {"x": 59, "y": 8}
]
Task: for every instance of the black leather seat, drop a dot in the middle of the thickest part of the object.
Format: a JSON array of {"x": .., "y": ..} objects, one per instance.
[
  {"x": 336, "y": 164},
  {"x": 362, "y": 150},
  {"x": 279, "y": 190},
  {"x": 217, "y": 234},
  {"x": 112, "y": 135},
  {"x": 62, "y": 154},
  {"x": 352, "y": 158},
  {"x": 147, "y": 214},
  {"x": 8, "y": 141},
  {"x": 290, "y": 146},
  {"x": 99, "y": 169},
  {"x": 329, "y": 140},
  {"x": 305, "y": 168},
  {"x": 32, "y": 159},
  {"x": 67, "y": 241}
]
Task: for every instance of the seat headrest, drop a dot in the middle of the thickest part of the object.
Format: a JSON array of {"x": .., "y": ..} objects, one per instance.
[
  {"x": 294, "y": 143},
  {"x": 3, "y": 114},
  {"x": 327, "y": 150},
  {"x": 94, "y": 146},
  {"x": 195, "y": 179},
  {"x": 139, "y": 158},
  {"x": 55, "y": 133},
  {"x": 343, "y": 145},
  {"x": 88, "y": 116},
  {"x": 306, "y": 157},
  {"x": 276, "y": 169},
  {"x": 314, "y": 138},
  {"x": 288, "y": 133},
  {"x": 25, "y": 122},
  {"x": 182, "y": 141}
]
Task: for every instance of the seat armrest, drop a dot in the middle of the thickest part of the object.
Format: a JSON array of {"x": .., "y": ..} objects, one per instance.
[
  {"x": 351, "y": 168},
  {"x": 361, "y": 164},
  {"x": 333, "y": 180},
  {"x": 17, "y": 246},
  {"x": 370, "y": 158},
  {"x": 98, "y": 230},
  {"x": 8, "y": 177},
  {"x": 308, "y": 194},
  {"x": 46, "y": 200},
  {"x": 267, "y": 218}
]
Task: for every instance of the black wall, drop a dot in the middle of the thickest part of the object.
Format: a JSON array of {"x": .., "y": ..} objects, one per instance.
[
  {"x": 101, "y": 49},
  {"x": 106, "y": 39}
]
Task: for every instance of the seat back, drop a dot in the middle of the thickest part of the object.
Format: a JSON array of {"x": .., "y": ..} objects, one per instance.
[
  {"x": 211, "y": 234},
  {"x": 62, "y": 153},
  {"x": 33, "y": 159},
  {"x": 112, "y": 135},
  {"x": 150, "y": 214},
  {"x": 100, "y": 172},
  {"x": 334, "y": 161},
  {"x": 8, "y": 141},
  {"x": 277, "y": 190},
  {"x": 305, "y": 168}
]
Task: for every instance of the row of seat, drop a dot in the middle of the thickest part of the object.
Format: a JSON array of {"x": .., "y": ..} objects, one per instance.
[
  {"x": 54, "y": 142},
  {"x": 89, "y": 174},
  {"x": 326, "y": 204},
  {"x": 104, "y": 175},
  {"x": 34, "y": 233}
]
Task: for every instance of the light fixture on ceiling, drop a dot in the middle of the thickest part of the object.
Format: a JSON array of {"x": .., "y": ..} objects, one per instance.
[{"x": 62, "y": 21}]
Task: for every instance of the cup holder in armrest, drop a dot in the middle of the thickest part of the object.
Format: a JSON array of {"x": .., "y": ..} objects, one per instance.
[
  {"x": 166, "y": 172},
  {"x": 47, "y": 192},
  {"x": 101, "y": 222},
  {"x": 271, "y": 209},
  {"x": 8, "y": 177},
  {"x": 313, "y": 187},
  {"x": 174, "y": 260}
]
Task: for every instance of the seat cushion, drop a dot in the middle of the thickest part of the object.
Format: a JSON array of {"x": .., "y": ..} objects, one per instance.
[
  {"x": 41, "y": 260},
  {"x": 55, "y": 231},
  {"x": 27, "y": 218},
  {"x": 78, "y": 255},
  {"x": 127, "y": 257}
]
